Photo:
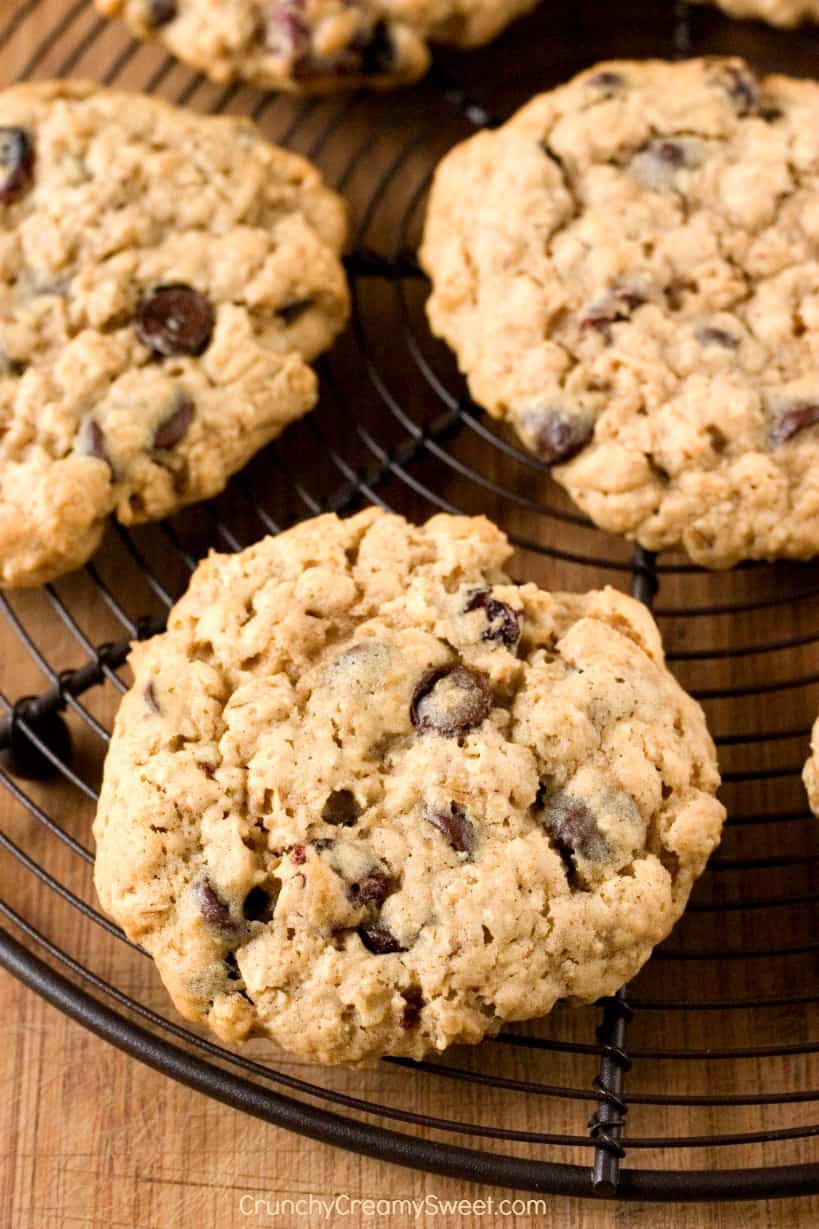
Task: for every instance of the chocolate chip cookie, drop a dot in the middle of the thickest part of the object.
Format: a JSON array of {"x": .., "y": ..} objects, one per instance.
[
  {"x": 811, "y": 772},
  {"x": 776, "y": 12},
  {"x": 628, "y": 272},
  {"x": 368, "y": 796},
  {"x": 165, "y": 279},
  {"x": 314, "y": 46}
]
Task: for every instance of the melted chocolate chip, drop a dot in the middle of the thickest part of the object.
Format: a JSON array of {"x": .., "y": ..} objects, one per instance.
[
  {"x": 504, "y": 622},
  {"x": 378, "y": 939},
  {"x": 413, "y": 1003},
  {"x": 298, "y": 855},
  {"x": 801, "y": 415},
  {"x": 557, "y": 436},
  {"x": 373, "y": 889},
  {"x": 450, "y": 700},
  {"x": 213, "y": 909},
  {"x": 708, "y": 335},
  {"x": 341, "y": 808},
  {"x": 259, "y": 905},
  {"x": 151, "y": 698},
  {"x": 175, "y": 319},
  {"x": 455, "y": 826},
  {"x": 160, "y": 12},
  {"x": 176, "y": 426},
  {"x": 206, "y": 768},
  {"x": 16, "y": 163},
  {"x": 669, "y": 152},
  {"x": 573, "y": 828}
]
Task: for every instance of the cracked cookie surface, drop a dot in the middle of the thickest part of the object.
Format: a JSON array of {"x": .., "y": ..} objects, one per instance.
[
  {"x": 314, "y": 46},
  {"x": 165, "y": 279},
  {"x": 628, "y": 272},
  {"x": 368, "y": 796}
]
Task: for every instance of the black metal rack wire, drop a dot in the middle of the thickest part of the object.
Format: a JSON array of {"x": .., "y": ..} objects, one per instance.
[{"x": 731, "y": 1001}]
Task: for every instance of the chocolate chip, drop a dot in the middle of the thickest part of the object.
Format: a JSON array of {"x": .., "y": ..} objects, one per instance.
[
  {"x": 378, "y": 939},
  {"x": 373, "y": 889},
  {"x": 450, "y": 700},
  {"x": 504, "y": 622},
  {"x": 801, "y": 415},
  {"x": 259, "y": 905},
  {"x": 669, "y": 152},
  {"x": 708, "y": 335},
  {"x": 455, "y": 826},
  {"x": 607, "y": 80},
  {"x": 558, "y": 436},
  {"x": 90, "y": 440},
  {"x": 742, "y": 88},
  {"x": 232, "y": 967},
  {"x": 378, "y": 52},
  {"x": 16, "y": 163},
  {"x": 151, "y": 698},
  {"x": 617, "y": 306},
  {"x": 290, "y": 312},
  {"x": 176, "y": 426},
  {"x": 206, "y": 768},
  {"x": 160, "y": 12},
  {"x": 413, "y": 1003},
  {"x": 175, "y": 319},
  {"x": 298, "y": 855},
  {"x": 213, "y": 909},
  {"x": 341, "y": 808},
  {"x": 573, "y": 828}
]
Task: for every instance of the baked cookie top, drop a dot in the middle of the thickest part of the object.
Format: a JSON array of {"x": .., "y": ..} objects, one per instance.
[
  {"x": 811, "y": 772},
  {"x": 368, "y": 796},
  {"x": 313, "y": 46},
  {"x": 165, "y": 278},
  {"x": 776, "y": 12},
  {"x": 628, "y": 272}
]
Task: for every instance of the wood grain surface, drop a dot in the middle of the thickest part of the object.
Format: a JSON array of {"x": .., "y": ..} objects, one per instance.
[{"x": 90, "y": 1137}]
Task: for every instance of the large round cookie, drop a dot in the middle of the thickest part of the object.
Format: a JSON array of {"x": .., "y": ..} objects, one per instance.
[
  {"x": 165, "y": 279},
  {"x": 777, "y": 12},
  {"x": 314, "y": 46},
  {"x": 628, "y": 272},
  {"x": 368, "y": 796}
]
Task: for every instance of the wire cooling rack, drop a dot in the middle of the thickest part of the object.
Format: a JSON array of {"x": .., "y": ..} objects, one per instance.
[{"x": 698, "y": 1081}]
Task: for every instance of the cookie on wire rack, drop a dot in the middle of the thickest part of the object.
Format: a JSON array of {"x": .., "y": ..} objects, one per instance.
[
  {"x": 368, "y": 796},
  {"x": 313, "y": 46},
  {"x": 628, "y": 273},
  {"x": 787, "y": 13},
  {"x": 165, "y": 280}
]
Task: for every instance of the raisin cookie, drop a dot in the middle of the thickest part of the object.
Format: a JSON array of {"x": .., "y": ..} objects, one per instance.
[
  {"x": 811, "y": 772},
  {"x": 368, "y": 796},
  {"x": 776, "y": 12},
  {"x": 628, "y": 272},
  {"x": 165, "y": 278},
  {"x": 314, "y": 46}
]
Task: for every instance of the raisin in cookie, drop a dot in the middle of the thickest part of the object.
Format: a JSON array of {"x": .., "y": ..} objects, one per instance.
[
  {"x": 811, "y": 772},
  {"x": 776, "y": 12},
  {"x": 628, "y": 272},
  {"x": 368, "y": 796},
  {"x": 314, "y": 46},
  {"x": 165, "y": 279}
]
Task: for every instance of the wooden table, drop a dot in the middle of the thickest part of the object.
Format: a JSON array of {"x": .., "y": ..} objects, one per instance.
[{"x": 92, "y": 1138}]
